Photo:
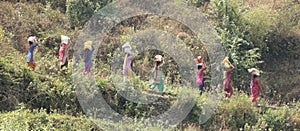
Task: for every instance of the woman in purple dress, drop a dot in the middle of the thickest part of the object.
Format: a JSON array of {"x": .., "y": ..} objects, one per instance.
[
  {"x": 89, "y": 49},
  {"x": 127, "y": 70}
]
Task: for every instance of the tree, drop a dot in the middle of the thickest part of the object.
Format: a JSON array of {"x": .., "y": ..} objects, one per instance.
[
  {"x": 237, "y": 44},
  {"x": 80, "y": 11}
]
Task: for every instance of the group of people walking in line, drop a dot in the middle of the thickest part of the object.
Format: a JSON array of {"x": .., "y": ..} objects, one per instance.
[
  {"x": 158, "y": 80},
  {"x": 63, "y": 53},
  {"x": 227, "y": 87}
]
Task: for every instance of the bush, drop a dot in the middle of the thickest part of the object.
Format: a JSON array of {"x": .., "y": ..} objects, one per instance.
[
  {"x": 14, "y": 82},
  {"x": 235, "y": 39},
  {"x": 232, "y": 114},
  {"x": 21, "y": 20},
  {"x": 238, "y": 112},
  {"x": 80, "y": 11},
  {"x": 275, "y": 120},
  {"x": 261, "y": 22},
  {"x": 39, "y": 120},
  {"x": 197, "y": 3}
]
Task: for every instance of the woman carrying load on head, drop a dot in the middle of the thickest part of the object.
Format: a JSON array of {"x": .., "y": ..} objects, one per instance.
[
  {"x": 254, "y": 84},
  {"x": 32, "y": 41},
  {"x": 63, "y": 51},
  {"x": 228, "y": 91},
  {"x": 88, "y": 52},
  {"x": 127, "y": 69},
  {"x": 157, "y": 75},
  {"x": 201, "y": 66}
]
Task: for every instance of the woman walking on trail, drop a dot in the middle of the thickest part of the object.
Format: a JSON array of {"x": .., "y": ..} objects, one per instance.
[
  {"x": 157, "y": 75},
  {"x": 228, "y": 91},
  {"x": 89, "y": 49},
  {"x": 127, "y": 70},
  {"x": 63, "y": 51},
  {"x": 201, "y": 66},
  {"x": 32, "y": 44},
  {"x": 254, "y": 85}
]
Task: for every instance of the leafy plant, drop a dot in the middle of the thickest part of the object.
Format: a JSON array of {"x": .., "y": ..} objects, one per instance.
[
  {"x": 80, "y": 11},
  {"x": 237, "y": 45},
  {"x": 275, "y": 119}
]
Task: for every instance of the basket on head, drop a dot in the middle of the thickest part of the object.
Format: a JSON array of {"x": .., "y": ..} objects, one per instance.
[
  {"x": 88, "y": 45},
  {"x": 254, "y": 71},
  {"x": 226, "y": 62}
]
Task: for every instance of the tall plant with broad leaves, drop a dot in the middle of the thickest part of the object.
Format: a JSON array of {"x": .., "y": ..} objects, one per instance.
[{"x": 237, "y": 45}]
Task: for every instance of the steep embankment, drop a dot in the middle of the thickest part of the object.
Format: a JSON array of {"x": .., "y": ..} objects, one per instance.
[{"x": 282, "y": 63}]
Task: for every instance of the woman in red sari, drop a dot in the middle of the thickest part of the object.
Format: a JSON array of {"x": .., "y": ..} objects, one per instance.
[
  {"x": 228, "y": 91},
  {"x": 201, "y": 66},
  {"x": 254, "y": 84},
  {"x": 63, "y": 51}
]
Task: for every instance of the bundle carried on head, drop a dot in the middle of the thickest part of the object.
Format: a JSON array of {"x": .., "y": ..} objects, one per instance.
[
  {"x": 126, "y": 47},
  {"x": 88, "y": 45},
  {"x": 226, "y": 62},
  {"x": 199, "y": 59},
  {"x": 158, "y": 58},
  {"x": 31, "y": 39},
  {"x": 254, "y": 71},
  {"x": 65, "y": 39}
]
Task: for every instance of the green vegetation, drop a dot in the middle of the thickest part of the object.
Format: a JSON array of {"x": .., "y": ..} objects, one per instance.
[
  {"x": 80, "y": 11},
  {"x": 262, "y": 34},
  {"x": 238, "y": 46},
  {"x": 40, "y": 120}
]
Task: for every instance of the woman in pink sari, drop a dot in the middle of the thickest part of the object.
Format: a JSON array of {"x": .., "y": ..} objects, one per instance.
[
  {"x": 128, "y": 74},
  {"x": 254, "y": 85},
  {"x": 228, "y": 91},
  {"x": 63, "y": 51}
]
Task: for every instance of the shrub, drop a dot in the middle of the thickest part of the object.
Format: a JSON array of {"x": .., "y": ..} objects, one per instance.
[
  {"x": 197, "y": 3},
  {"x": 233, "y": 114},
  {"x": 235, "y": 39},
  {"x": 14, "y": 81},
  {"x": 260, "y": 21},
  {"x": 21, "y": 20},
  {"x": 278, "y": 119},
  {"x": 237, "y": 112},
  {"x": 80, "y": 11},
  {"x": 23, "y": 119}
]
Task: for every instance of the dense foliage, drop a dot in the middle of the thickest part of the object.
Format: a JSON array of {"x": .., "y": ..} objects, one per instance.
[
  {"x": 80, "y": 11},
  {"x": 236, "y": 42}
]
